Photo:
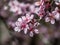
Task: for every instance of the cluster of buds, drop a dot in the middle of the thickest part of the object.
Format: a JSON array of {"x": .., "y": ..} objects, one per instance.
[{"x": 27, "y": 21}]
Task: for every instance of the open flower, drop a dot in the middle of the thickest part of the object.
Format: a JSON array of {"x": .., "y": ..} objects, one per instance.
[
  {"x": 21, "y": 25},
  {"x": 50, "y": 18},
  {"x": 32, "y": 29},
  {"x": 56, "y": 13}
]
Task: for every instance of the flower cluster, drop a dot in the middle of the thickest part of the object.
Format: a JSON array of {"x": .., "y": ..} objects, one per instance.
[
  {"x": 27, "y": 24},
  {"x": 27, "y": 21},
  {"x": 52, "y": 16},
  {"x": 19, "y": 8}
]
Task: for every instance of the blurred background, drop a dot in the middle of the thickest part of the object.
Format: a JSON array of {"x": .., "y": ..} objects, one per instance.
[{"x": 48, "y": 34}]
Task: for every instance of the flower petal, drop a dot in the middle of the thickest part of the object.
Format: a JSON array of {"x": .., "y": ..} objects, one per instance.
[
  {"x": 31, "y": 16},
  {"x": 25, "y": 31},
  {"x": 36, "y": 31},
  {"x": 52, "y": 21},
  {"x": 17, "y": 29},
  {"x": 17, "y": 23},
  {"x": 57, "y": 16},
  {"x": 47, "y": 19},
  {"x": 19, "y": 19},
  {"x": 23, "y": 18},
  {"x": 31, "y": 34}
]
